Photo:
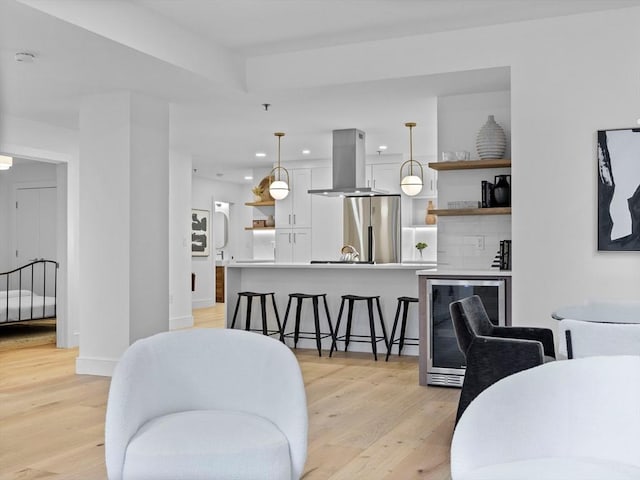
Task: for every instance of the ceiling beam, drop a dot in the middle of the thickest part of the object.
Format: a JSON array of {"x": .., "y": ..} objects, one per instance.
[{"x": 145, "y": 31}]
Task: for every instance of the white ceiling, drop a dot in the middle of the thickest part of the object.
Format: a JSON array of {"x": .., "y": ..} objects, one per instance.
[
  {"x": 255, "y": 27},
  {"x": 223, "y": 130}
]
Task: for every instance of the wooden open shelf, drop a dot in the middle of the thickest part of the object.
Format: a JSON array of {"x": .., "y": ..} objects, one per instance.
[
  {"x": 451, "y": 212},
  {"x": 472, "y": 164},
  {"x": 264, "y": 203},
  {"x": 259, "y": 228}
]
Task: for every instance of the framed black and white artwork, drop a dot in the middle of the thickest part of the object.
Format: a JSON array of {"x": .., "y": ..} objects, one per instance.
[
  {"x": 200, "y": 221},
  {"x": 619, "y": 189}
]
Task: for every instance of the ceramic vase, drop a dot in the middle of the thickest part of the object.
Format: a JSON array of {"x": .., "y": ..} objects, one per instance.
[
  {"x": 270, "y": 222},
  {"x": 502, "y": 191},
  {"x": 430, "y": 218},
  {"x": 491, "y": 141}
]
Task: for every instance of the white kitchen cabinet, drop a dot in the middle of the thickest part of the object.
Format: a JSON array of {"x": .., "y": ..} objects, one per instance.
[
  {"x": 295, "y": 210},
  {"x": 384, "y": 176},
  {"x": 293, "y": 245},
  {"x": 430, "y": 182}
]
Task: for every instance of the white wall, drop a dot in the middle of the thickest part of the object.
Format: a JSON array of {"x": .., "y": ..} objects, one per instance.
[
  {"x": 460, "y": 117},
  {"x": 180, "y": 240},
  {"x": 570, "y": 76},
  {"x": 585, "y": 81},
  {"x": 203, "y": 196}
]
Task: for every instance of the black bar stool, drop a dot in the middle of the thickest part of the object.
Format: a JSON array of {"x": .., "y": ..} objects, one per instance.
[
  {"x": 318, "y": 335},
  {"x": 373, "y": 338},
  {"x": 263, "y": 307},
  {"x": 404, "y": 303}
]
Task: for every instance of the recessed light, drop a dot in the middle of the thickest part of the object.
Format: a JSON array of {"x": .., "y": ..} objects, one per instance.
[
  {"x": 248, "y": 177},
  {"x": 261, "y": 154},
  {"x": 25, "y": 57},
  {"x": 306, "y": 152},
  {"x": 5, "y": 162},
  {"x": 382, "y": 147}
]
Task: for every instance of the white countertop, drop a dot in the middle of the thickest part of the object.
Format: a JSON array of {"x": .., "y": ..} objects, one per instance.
[
  {"x": 352, "y": 266},
  {"x": 460, "y": 272}
]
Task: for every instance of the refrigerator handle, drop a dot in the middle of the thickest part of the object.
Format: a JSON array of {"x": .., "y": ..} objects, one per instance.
[{"x": 370, "y": 249}]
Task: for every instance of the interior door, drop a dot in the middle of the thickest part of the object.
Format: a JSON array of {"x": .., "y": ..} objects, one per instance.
[{"x": 35, "y": 224}]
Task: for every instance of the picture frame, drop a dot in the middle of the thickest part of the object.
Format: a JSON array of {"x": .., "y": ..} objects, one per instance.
[
  {"x": 200, "y": 236},
  {"x": 619, "y": 189}
]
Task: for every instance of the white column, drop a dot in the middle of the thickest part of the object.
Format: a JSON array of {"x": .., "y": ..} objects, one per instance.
[{"x": 123, "y": 286}]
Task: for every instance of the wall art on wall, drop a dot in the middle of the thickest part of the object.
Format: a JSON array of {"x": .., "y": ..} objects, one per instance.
[
  {"x": 619, "y": 189},
  {"x": 200, "y": 221}
]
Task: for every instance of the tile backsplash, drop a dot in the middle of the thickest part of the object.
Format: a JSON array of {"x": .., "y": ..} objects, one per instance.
[{"x": 471, "y": 242}]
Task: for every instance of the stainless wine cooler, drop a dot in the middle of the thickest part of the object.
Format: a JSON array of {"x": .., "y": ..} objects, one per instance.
[{"x": 445, "y": 361}]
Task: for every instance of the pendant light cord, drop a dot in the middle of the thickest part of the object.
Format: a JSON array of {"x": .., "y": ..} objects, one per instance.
[
  {"x": 279, "y": 135},
  {"x": 411, "y": 149}
]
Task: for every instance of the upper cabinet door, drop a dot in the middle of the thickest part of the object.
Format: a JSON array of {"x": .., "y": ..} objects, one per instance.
[
  {"x": 284, "y": 207},
  {"x": 430, "y": 188},
  {"x": 386, "y": 176},
  {"x": 294, "y": 211}
]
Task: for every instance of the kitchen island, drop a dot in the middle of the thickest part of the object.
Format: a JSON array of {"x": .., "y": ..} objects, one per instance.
[{"x": 388, "y": 280}]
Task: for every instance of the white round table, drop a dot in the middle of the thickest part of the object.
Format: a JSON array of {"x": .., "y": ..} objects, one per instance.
[{"x": 603, "y": 312}]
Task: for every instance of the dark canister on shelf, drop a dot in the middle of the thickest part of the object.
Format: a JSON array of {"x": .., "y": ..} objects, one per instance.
[{"x": 502, "y": 190}]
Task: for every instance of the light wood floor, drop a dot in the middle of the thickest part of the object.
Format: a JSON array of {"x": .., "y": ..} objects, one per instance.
[
  {"x": 367, "y": 420},
  {"x": 27, "y": 334}
]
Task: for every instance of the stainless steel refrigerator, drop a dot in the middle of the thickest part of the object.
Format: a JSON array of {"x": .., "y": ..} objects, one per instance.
[{"x": 372, "y": 226}]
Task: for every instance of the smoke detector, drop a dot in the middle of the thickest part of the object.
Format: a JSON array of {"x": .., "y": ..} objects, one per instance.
[{"x": 25, "y": 57}]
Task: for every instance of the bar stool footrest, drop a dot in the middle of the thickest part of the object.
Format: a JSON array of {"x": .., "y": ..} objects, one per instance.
[
  {"x": 259, "y": 330},
  {"x": 397, "y": 341},
  {"x": 311, "y": 335},
  {"x": 343, "y": 338}
]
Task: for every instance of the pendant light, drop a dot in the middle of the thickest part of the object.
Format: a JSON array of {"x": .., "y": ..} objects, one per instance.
[
  {"x": 279, "y": 189},
  {"x": 411, "y": 184},
  {"x": 5, "y": 162}
]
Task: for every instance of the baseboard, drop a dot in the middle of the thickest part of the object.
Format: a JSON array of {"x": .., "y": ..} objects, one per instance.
[
  {"x": 181, "y": 322},
  {"x": 206, "y": 302},
  {"x": 103, "y": 367}
]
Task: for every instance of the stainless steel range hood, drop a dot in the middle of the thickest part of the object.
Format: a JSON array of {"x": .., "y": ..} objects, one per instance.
[{"x": 348, "y": 164}]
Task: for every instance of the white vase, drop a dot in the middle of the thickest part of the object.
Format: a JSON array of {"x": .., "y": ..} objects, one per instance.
[{"x": 491, "y": 141}]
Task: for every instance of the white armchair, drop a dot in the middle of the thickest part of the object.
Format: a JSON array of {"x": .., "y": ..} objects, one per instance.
[
  {"x": 586, "y": 339},
  {"x": 206, "y": 404},
  {"x": 565, "y": 420}
]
